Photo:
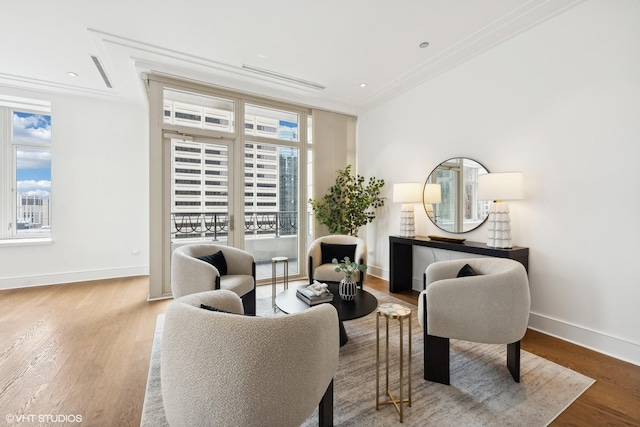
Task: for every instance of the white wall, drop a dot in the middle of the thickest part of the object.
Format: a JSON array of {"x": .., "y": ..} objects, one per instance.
[
  {"x": 99, "y": 195},
  {"x": 561, "y": 103}
]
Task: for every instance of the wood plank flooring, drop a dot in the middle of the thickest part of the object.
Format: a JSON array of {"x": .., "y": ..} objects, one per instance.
[
  {"x": 77, "y": 349},
  {"x": 83, "y": 349},
  {"x": 614, "y": 400}
]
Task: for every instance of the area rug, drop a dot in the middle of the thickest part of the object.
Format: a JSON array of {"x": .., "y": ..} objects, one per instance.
[{"x": 482, "y": 391}]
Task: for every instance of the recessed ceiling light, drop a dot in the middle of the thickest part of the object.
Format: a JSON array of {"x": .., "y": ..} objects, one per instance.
[
  {"x": 424, "y": 44},
  {"x": 363, "y": 85},
  {"x": 72, "y": 74}
]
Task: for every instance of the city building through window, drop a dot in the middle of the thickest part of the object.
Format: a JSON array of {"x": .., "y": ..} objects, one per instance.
[
  {"x": 268, "y": 140},
  {"x": 25, "y": 153}
]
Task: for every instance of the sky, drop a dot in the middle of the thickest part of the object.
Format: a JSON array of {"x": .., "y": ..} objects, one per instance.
[{"x": 33, "y": 163}]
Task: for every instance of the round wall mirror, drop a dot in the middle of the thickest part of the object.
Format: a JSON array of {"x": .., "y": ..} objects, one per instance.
[{"x": 450, "y": 196}]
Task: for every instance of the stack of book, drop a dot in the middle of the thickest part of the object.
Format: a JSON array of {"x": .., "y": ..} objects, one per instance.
[{"x": 310, "y": 297}]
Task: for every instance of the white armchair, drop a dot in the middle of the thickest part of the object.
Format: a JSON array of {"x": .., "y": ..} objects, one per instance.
[
  {"x": 491, "y": 307},
  {"x": 320, "y": 254},
  {"x": 191, "y": 275},
  {"x": 222, "y": 369}
]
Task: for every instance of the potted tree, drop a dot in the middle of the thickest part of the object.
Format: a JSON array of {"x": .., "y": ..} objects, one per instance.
[{"x": 349, "y": 204}]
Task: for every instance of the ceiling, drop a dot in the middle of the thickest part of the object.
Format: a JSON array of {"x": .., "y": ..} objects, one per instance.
[{"x": 338, "y": 44}]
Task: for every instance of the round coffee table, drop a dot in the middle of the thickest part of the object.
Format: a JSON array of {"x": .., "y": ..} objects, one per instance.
[{"x": 363, "y": 304}]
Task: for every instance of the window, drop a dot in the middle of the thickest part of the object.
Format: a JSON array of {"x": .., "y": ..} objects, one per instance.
[
  {"x": 271, "y": 123},
  {"x": 199, "y": 208},
  {"x": 25, "y": 155},
  {"x": 230, "y": 163},
  {"x": 197, "y": 110}
]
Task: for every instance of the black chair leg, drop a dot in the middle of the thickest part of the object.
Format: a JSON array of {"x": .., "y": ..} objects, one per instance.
[
  {"x": 249, "y": 303},
  {"x": 325, "y": 408},
  {"x": 436, "y": 359},
  {"x": 436, "y": 354},
  {"x": 513, "y": 360}
]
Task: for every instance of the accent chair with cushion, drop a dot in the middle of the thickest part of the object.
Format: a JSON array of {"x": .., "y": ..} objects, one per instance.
[
  {"x": 484, "y": 300},
  {"x": 227, "y": 369},
  {"x": 205, "y": 267},
  {"x": 324, "y": 249}
]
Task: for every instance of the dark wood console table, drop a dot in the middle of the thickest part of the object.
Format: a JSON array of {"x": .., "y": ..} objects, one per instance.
[{"x": 401, "y": 256}]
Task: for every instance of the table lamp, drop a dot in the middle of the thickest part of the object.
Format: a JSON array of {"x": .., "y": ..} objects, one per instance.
[
  {"x": 407, "y": 193},
  {"x": 497, "y": 187},
  {"x": 432, "y": 194}
]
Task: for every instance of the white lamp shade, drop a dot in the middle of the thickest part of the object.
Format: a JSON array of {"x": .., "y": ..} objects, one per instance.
[
  {"x": 407, "y": 192},
  {"x": 500, "y": 186},
  {"x": 432, "y": 193}
]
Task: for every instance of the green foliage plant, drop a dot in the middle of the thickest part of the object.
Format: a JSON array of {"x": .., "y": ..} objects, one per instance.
[
  {"x": 348, "y": 267},
  {"x": 349, "y": 204}
]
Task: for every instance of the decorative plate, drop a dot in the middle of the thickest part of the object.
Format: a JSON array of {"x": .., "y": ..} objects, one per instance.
[{"x": 446, "y": 238}]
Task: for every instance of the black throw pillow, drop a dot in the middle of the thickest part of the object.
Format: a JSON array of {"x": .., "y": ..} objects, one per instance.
[
  {"x": 212, "y": 308},
  {"x": 217, "y": 260},
  {"x": 466, "y": 271},
  {"x": 219, "y": 310},
  {"x": 332, "y": 250}
]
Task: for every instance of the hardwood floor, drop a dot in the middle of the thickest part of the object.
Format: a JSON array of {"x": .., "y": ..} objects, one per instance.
[
  {"x": 614, "y": 399},
  {"x": 83, "y": 349},
  {"x": 77, "y": 349}
]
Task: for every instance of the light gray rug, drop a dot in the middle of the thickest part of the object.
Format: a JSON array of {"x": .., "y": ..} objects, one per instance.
[{"x": 482, "y": 392}]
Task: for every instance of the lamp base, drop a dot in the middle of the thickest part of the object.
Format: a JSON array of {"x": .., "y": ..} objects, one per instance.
[
  {"x": 499, "y": 226},
  {"x": 407, "y": 221},
  {"x": 428, "y": 207}
]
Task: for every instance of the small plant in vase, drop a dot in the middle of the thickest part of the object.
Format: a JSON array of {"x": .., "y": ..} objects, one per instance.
[{"x": 348, "y": 287}]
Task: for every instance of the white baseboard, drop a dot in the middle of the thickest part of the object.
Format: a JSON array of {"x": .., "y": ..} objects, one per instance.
[
  {"x": 618, "y": 348},
  {"x": 69, "y": 277},
  {"x": 378, "y": 272}
]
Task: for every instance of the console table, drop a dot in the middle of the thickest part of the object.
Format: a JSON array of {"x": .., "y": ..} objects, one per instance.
[{"x": 401, "y": 256}]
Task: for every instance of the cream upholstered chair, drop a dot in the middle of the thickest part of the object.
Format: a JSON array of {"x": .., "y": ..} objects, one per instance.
[
  {"x": 491, "y": 307},
  {"x": 225, "y": 369},
  {"x": 190, "y": 274},
  {"x": 325, "y": 248}
]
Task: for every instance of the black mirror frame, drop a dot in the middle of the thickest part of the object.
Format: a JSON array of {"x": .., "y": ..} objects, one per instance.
[{"x": 424, "y": 204}]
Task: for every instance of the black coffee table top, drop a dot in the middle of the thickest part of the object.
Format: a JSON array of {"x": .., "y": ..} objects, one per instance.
[{"x": 363, "y": 304}]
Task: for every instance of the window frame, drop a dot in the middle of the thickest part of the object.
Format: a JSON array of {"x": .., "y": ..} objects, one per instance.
[
  {"x": 9, "y": 147},
  {"x": 160, "y": 256},
  {"x": 9, "y": 233}
]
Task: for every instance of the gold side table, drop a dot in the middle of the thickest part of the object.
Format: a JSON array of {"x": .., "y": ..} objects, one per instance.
[
  {"x": 399, "y": 312},
  {"x": 274, "y": 261}
]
